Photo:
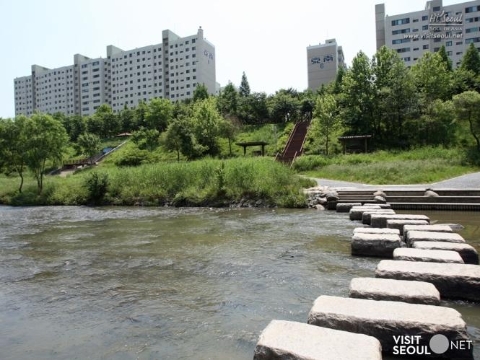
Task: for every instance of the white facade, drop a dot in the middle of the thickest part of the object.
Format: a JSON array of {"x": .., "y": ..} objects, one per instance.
[
  {"x": 323, "y": 62},
  {"x": 171, "y": 69},
  {"x": 412, "y": 34}
]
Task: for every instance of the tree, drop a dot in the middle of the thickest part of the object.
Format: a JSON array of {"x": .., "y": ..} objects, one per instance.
[
  {"x": 206, "y": 125},
  {"x": 471, "y": 60},
  {"x": 444, "y": 56},
  {"x": 227, "y": 101},
  {"x": 46, "y": 141},
  {"x": 283, "y": 107},
  {"x": 178, "y": 137},
  {"x": 229, "y": 129},
  {"x": 159, "y": 114},
  {"x": 127, "y": 119},
  {"x": 253, "y": 109},
  {"x": 325, "y": 123},
  {"x": 146, "y": 139},
  {"x": 244, "y": 89},
  {"x": 89, "y": 145},
  {"x": 13, "y": 146},
  {"x": 109, "y": 121},
  {"x": 200, "y": 93},
  {"x": 467, "y": 108}
]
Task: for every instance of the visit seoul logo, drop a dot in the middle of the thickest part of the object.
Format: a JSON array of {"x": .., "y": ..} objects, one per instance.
[{"x": 438, "y": 344}]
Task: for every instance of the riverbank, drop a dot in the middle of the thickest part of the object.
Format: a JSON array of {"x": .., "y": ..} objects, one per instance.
[{"x": 239, "y": 182}]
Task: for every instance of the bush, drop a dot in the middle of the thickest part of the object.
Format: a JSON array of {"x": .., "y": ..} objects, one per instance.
[
  {"x": 97, "y": 186},
  {"x": 133, "y": 157}
]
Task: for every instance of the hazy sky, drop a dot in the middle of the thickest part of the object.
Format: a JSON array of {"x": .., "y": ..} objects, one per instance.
[{"x": 266, "y": 39}]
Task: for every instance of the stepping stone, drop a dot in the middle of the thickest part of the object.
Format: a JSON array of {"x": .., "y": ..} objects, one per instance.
[
  {"x": 380, "y": 220},
  {"x": 413, "y": 236},
  {"x": 380, "y": 245},
  {"x": 415, "y": 292},
  {"x": 399, "y": 224},
  {"x": 390, "y": 320},
  {"x": 282, "y": 340},
  {"x": 356, "y": 212},
  {"x": 435, "y": 228},
  {"x": 370, "y": 230},
  {"x": 467, "y": 252},
  {"x": 453, "y": 281},
  {"x": 439, "y": 256},
  {"x": 366, "y": 216},
  {"x": 345, "y": 207}
]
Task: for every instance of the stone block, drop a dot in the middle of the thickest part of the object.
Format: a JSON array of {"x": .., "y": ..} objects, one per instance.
[
  {"x": 440, "y": 256},
  {"x": 287, "y": 340},
  {"x": 380, "y": 245},
  {"x": 356, "y": 212},
  {"x": 345, "y": 207},
  {"x": 370, "y": 230},
  {"x": 366, "y": 216},
  {"x": 467, "y": 252},
  {"x": 415, "y": 292},
  {"x": 380, "y": 220},
  {"x": 399, "y": 224},
  {"x": 453, "y": 281},
  {"x": 413, "y": 236}
]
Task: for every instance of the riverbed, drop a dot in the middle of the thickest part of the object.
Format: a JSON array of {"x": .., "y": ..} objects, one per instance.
[{"x": 168, "y": 283}]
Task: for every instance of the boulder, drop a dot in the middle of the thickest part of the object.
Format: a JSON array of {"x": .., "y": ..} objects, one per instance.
[
  {"x": 380, "y": 220},
  {"x": 380, "y": 193},
  {"x": 367, "y": 215},
  {"x": 370, "y": 230},
  {"x": 453, "y": 281},
  {"x": 379, "y": 245},
  {"x": 467, "y": 252},
  {"x": 399, "y": 224},
  {"x": 415, "y": 292},
  {"x": 380, "y": 199},
  {"x": 440, "y": 256},
  {"x": 413, "y": 236},
  {"x": 319, "y": 207},
  {"x": 390, "y": 320},
  {"x": 345, "y": 207},
  {"x": 430, "y": 193},
  {"x": 287, "y": 340}
]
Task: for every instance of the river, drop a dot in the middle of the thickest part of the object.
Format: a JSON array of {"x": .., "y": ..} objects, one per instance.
[{"x": 165, "y": 283}]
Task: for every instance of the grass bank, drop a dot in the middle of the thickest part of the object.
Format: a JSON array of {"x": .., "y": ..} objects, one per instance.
[
  {"x": 425, "y": 165},
  {"x": 259, "y": 181}
]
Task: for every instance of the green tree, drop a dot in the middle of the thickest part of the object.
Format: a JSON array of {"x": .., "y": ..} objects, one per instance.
[
  {"x": 244, "y": 89},
  {"x": 14, "y": 146},
  {"x": 159, "y": 114},
  {"x": 127, "y": 120},
  {"x": 46, "y": 141},
  {"x": 89, "y": 145},
  {"x": 227, "y": 101},
  {"x": 284, "y": 107},
  {"x": 110, "y": 122},
  {"x": 200, "y": 93},
  {"x": 325, "y": 122},
  {"x": 178, "y": 137},
  {"x": 471, "y": 60},
  {"x": 253, "y": 109},
  {"x": 467, "y": 108},
  {"x": 444, "y": 56},
  {"x": 146, "y": 139},
  {"x": 207, "y": 125}
]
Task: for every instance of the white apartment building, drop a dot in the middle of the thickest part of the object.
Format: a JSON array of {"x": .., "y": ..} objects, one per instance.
[
  {"x": 412, "y": 34},
  {"x": 323, "y": 62},
  {"x": 171, "y": 69}
]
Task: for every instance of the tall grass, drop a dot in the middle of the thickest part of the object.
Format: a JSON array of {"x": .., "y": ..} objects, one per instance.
[{"x": 424, "y": 165}]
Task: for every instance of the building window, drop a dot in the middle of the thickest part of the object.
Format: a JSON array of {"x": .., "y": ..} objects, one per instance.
[
  {"x": 472, "y": 40},
  {"x": 472, "y": 9},
  {"x": 401, "y": 21},
  {"x": 400, "y": 41},
  {"x": 472, "y": 19},
  {"x": 436, "y": 8},
  {"x": 402, "y": 50},
  {"x": 470, "y": 30}
]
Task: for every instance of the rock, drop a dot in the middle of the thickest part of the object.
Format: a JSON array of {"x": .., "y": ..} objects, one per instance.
[
  {"x": 440, "y": 256},
  {"x": 366, "y": 216},
  {"x": 380, "y": 193},
  {"x": 380, "y": 220},
  {"x": 380, "y": 199},
  {"x": 356, "y": 212},
  {"x": 287, "y": 340},
  {"x": 332, "y": 196},
  {"x": 453, "y": 281},
  {"x": 319, "y": 207},
  {"x": 322, "y": 201},
  {"x": 345, "y": 207},
  {"x": 430, "y": 193},
  {"x": 380, "y": 245},
  {"x": 415, "y": 292},
  {"x": 413, "y": 236},
  {"x": 400, "y": 224},
  {"x": 467, "y": 252},
  {"x": 455, "y": 227},
  {"x": 369, "y": 230},
  {"x": 435, "y": 228},
  {"x": 390, "y": 320}
]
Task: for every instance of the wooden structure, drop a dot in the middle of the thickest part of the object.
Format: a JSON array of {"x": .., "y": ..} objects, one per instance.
[
  {"x": 252, "y": 143},
  {"x": 355, "y": 144}
]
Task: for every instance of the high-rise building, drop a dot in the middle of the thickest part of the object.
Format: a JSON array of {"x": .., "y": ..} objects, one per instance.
[
  {"x": 323, "y": 62},
  {"x": 412, "y": 34},
  {"x": 171, "y": 69}
]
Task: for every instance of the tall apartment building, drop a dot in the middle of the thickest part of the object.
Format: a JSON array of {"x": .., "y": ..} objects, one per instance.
[
  {"x": 412, "y": 34},
  {"x": 171, "y": 69},
  {"x": 323, "y": 62}
]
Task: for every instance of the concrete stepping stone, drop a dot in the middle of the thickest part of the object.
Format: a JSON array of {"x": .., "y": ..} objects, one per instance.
[
  {"x": 439, "y": 256},
  {"x": 415, "y": 292},
  {"x": 453, "y": 281},
  {"x": 413, "y": 236},
  {"x": 367, "y": 215},
  {"x": 400, "y": 224},
  {"x": 356, "y": 212},
  {"x": 467, "y": 252},
  {"x": 435, "y": 228},
  {"x": 370, "y": 230},
  {"x": 380, "y": 220},
  {"x": 345, "y": 207},
  {"x": 379, "y": 245},
  {"x": 282, "y": 340},
  {"x": 390, "y": 320}
]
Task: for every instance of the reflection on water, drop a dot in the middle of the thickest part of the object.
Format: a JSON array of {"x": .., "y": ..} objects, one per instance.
[{"x": 135, "y": 283}]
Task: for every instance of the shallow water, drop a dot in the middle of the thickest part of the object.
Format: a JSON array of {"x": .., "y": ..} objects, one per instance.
[{"x": 147, "y": 283}]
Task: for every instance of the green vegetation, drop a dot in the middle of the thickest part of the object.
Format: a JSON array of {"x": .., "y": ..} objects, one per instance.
[{"x": 419, "y": 166}]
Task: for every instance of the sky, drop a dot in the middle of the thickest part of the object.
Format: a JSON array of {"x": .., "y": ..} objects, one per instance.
[{"x": 265, "y": 39}]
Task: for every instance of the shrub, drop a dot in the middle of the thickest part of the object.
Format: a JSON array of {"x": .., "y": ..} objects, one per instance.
[{"x": 97, "y": 186}]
